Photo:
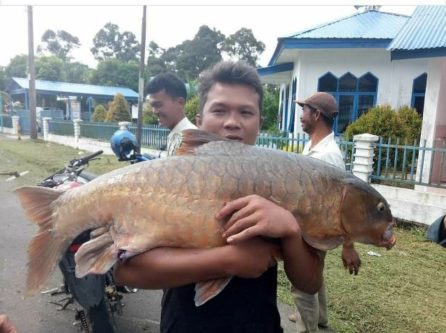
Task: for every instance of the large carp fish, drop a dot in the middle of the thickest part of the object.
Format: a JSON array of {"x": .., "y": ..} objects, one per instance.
[{"x": 173, "y": 201}]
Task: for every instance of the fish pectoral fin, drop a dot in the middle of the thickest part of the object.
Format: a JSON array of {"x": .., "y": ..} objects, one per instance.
[
  {"x": 96, "y": 256},
  {"x": 323, "y": 244},
  {"x": 205, "y": 291}
]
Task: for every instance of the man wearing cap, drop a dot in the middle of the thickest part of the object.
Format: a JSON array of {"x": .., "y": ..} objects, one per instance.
[{"x": 319, "y": 112}]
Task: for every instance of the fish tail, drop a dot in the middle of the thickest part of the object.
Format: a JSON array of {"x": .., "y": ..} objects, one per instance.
[{"x": 46, "y": 247}]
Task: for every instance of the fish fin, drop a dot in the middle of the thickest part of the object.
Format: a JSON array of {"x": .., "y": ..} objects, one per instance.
[
  {"x": 46, "y": 247},
  {"x": 323, "y": 244},
  {"x": 96, "y": 256},
  {"x": 205, "y": 291},
  {"x": 36, "y": 201},
  {"x": 194, "y": 138}
]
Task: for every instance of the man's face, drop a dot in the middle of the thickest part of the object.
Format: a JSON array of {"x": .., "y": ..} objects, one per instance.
[
  {"x": 231, "y": 111},
  {"x": 168, "y": 109},
  {"x": 308, "y": 119}
]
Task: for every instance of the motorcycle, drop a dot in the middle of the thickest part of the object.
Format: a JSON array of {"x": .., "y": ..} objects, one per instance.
[{"x": 96, "y": 298}]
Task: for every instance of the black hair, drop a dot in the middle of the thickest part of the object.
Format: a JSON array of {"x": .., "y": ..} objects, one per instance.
[
  {"x": 168, "y": 82},
  {"x": 229, "y": 72}
]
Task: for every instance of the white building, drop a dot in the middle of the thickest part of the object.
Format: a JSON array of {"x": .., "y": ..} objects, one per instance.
[
  {"x": 368, "y": 59},
  {"x": 348, "y": 58}
]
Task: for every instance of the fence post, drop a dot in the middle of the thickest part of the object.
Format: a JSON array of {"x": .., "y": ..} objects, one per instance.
[
  {"x": 124, "y": 125},
  {"x": 77, "y": 131},
  {"x": 45, "y": 127},
  {"x": 363, "y": 162},
  {"x": 16, "y": 126}
]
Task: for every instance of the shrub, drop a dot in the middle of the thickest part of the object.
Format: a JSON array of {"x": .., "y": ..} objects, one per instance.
[
  {"x": 191, "y": 108},
  {"x": 100, "y": 113},
  {"x": 118, "y": 110},
  {"x": 411, "y": 122},
  {"x": 148, "y": 117},
  {"x": 403, "y": 124},
  {"x": 380, "y": 120}
]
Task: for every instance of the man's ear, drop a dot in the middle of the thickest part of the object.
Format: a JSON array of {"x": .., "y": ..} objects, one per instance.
[
  {"x": 198, "y": 119},
  {"x": 181, "y": 100}
]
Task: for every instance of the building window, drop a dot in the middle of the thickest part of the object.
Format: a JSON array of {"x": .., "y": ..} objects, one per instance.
[
  {"x": 354, "y": 96},
  {"x": 418, "y": 92}
]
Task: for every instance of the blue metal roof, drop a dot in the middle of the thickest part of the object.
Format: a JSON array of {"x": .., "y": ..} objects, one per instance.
[
  {"x": 366, "y": 25},
  {"x": 423, "y": 35},
  {"x": 77, "y": 88},
  {"x": 370, "y": 29}
]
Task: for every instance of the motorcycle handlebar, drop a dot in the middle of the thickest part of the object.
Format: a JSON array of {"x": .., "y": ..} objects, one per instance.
[{"x": 85, "y": 159}]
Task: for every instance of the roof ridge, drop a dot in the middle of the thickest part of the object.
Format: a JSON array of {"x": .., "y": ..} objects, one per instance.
[{"x": 326, "y": 24}]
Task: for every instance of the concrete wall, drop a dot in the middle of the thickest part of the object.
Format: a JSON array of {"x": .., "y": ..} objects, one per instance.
[
  {"x": 90, "y": 144},
  {"x": 413, "y": 205}
]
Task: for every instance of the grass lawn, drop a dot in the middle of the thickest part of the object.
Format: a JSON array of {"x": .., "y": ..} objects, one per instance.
[{"x": 401, "y": 291}]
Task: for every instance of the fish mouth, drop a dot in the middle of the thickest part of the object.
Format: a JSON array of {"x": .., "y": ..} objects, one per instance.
[{"x": 388, "y": 239}]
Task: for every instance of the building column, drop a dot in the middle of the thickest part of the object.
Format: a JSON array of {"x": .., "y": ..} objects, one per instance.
[
  {"x": 45, "y": 127},
  {"x": 16, "y": 126},
  {"x": 77, "y": 131},
  {"x": 364, "y": 152}
]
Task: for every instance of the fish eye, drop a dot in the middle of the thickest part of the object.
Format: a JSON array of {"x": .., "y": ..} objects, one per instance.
[{"x": 380, "y": 207}]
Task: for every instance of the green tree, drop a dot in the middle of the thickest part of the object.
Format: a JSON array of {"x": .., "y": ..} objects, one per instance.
[
  {"x": 50, "y": 68},
  {"x": 190, "y": 57},
  {"x": 3, "y": 78},
  {"x": 270, "y": 108},
  {"x": 117, "y": 73},
  {"x": 99, "y": 113},
  {"x": 118, "y": 109},
  {"x": 58, "y": 43},
  {"x": 75, "y": 72},
  {"x": 110, "y": 43},
  {"x": 155, "y": 64},
  {"x": 17, "y": 66},
  {"x": 242, "y": 45}
]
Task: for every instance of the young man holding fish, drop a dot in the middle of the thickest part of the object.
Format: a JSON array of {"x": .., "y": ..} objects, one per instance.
[
  {"x": 167, "y": 97},
  {"x": 230, "y": 106},
  {"x": 318, "y": 114}
]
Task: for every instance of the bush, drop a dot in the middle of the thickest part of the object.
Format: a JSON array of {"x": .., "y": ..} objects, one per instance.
[
  {"x": 191, "y": 108},
  {"x": 403, "y": 124},
  {"x": 118, "y": 110},
  {"x": 382, "y": 120},
  {"x": 100, "y": 113},
  {"x": 148, "y": 117}
]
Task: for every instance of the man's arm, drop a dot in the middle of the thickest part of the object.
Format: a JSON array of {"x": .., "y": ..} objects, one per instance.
[
  {"x": 253, "y": 216},
  {"x": 173, "y": 267}
]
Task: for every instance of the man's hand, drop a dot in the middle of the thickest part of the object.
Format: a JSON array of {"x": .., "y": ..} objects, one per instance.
[
  {"x": 6, "y": 326},
  {"x": 350, "y": 258},
  {"x": 253, "y": 216}
]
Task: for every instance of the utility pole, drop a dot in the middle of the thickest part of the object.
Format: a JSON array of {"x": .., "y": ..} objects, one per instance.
[
  {"x": 31, "y": 76},
  {"x": 141, "y": 79}
]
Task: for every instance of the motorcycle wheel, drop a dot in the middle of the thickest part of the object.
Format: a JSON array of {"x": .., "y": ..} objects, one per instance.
[{"x": 100, "y": 318}]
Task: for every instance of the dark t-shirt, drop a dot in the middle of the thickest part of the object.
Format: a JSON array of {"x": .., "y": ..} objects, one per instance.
[{"x": 244, "y": 306}]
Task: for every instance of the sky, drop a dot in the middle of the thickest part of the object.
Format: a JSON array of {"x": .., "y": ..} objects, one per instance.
[{"x": 167, "y": 25}]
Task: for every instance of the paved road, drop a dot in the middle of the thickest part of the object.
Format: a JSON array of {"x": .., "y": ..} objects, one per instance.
[{"x": 35, "y": 314}]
